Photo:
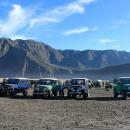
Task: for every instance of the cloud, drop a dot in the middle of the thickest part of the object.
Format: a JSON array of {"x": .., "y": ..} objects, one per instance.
[
  {"x": 121, "y": 22},
  {"x": 14, "y": 37},
  {"x": 116, "y": 46},
  {"x": 107, "y": 41},
  {"x": 60, "y": 13},
  {"x": 80, "y": 30},
  {"x": 111, "y": 42},
  {"x": 94, "y": 29},
  {"x": 17, "y": 19},
  {"x": 76, "y": 31}
]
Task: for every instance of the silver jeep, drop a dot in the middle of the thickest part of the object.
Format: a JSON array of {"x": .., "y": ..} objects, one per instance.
[{"x": 79, "y": 86}]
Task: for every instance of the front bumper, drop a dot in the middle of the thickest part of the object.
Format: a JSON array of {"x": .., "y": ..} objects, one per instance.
[
  {"x": 3, "y": 91},
  {"x": 40, "y": 92},
  {"x": 128, "y": 93},
  {"x": 75, "y": 93}
]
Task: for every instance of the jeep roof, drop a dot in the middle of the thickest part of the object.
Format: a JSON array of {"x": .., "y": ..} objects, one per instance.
[
  {"x": 48, "y": 79},
  {"x": 123, "y": 78},
  {"x": 79, "y": 78},
  {"x": 19, "y": 78}
]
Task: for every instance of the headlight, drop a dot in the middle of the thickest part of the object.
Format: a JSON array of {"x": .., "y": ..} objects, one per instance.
[
  {"x": 71, "y": 89},
  {"x": 83, "y": 87},
  {"x": 45, "y": 89},
  {"x": 37, "y": 88},
  {"x": 80, "y": 88},
  {"x": 12, "y": 87}
]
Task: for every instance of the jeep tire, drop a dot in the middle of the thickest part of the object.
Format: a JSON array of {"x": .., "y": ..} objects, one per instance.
[
  {"x": 115, "y": 94},
  {"x": 124, "y": 95},
  {"x": 55, "y": 94},
  {"x": 25, "y": 93},
  {"x": 49, "y": 94},
  {"x": 34, "y": 95},
  {"x": 85, "y": 95},
  {"x": 74, "y": 96},
  {"x": 12, "y": 94},
  {"x": 69, "y": 95}
]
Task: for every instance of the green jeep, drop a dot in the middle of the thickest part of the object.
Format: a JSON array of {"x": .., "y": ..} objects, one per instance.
[
  {"x": 121, "y": 87},
  {"x": 47, "y": 87}
]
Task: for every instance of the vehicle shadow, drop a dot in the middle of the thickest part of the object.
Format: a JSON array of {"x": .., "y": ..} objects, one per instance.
[
  {"x": 99, "y": 99},
  {"x": 103, "y": 99},
  {"x": 21, "y": 97},
  {"x": 66, "y": 98},
  {"x": 34, "y": 98},
  {"x": 4, "y": 96}
]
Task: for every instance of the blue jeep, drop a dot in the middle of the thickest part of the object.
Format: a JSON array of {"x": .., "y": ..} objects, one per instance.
[{"x": 17, "y": 85}]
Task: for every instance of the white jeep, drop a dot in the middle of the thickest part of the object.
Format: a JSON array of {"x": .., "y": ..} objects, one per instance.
[{"x": 79, "y": 86}]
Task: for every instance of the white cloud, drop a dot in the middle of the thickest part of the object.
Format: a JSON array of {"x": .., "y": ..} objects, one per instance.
[
  {"x": 20, "y": 18},
  {"x": 94, "y": 29},
  {"x": 60, "y": 13},
  {"x": 116, "y": 46},
  {"x": 107, "y": 41},
  {"x": 85, "y": 1},
  {"x": 76, "y": 31},
  {"x": 14, "y": 37},
  {"x": 17, "y": 19},
  {"x": 80, "y": 30},
  {"x": 121, "y": 22}
]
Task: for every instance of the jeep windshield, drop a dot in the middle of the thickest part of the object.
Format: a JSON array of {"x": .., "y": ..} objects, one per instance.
[
  {"x": 46, "y": 82},
  {"x": 77, "y": 82},
  {"x": 12, "y": 81},
  {"x": 125, "y": 81}
]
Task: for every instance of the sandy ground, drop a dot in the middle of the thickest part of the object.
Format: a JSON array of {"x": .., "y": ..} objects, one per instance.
[{"x": 99, "y": 112}]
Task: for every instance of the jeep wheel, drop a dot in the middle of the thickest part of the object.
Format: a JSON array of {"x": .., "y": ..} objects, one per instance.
[
  {"x": 124, "y": 95},
  {"x": 25, "y": 93},
  {"x": 69, "y": 96},
  {"x": 74, "y": 96},
  {"x": 115, "y": 94},
  {"x": 85, "y": 95},
  {"x": 43, "y": 96},
  {"x": 12, "y": 94},
  {"x": 49, "y": 95},
  {"x": 55, "y": 94},
  {"x": 61, "y": 94},
  {"x": 34, "y": 95}
]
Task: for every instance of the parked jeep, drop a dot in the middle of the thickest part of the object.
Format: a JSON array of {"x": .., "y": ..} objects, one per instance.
[
  {"x": 3, "y": 88},
  {"x": 121, "y": 87},
  {"x": 47, "y": 87},
  {"x": 79, "y": 86},
  {"x": 108, "y": 85},
  {"x": 17, "y": 85},
  {"x": 96, "y": 83}
]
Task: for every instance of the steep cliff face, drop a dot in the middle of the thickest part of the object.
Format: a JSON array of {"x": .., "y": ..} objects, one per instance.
[{"x": 24, "y": 57}]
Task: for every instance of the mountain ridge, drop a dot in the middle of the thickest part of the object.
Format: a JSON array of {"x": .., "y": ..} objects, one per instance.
[{"x": 29, "y": 57}]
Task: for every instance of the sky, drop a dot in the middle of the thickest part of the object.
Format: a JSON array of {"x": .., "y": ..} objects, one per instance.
[{"x": 68, "y": 24}]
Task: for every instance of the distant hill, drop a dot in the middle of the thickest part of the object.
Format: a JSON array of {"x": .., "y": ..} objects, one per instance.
[
  {"x": 28, "y": 57},
  {"x": 103, "y": 73},
  {"x": 113, "y": 71}
]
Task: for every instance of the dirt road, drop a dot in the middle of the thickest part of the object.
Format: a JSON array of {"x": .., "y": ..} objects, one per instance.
[{"x": 99, "y": 112}]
